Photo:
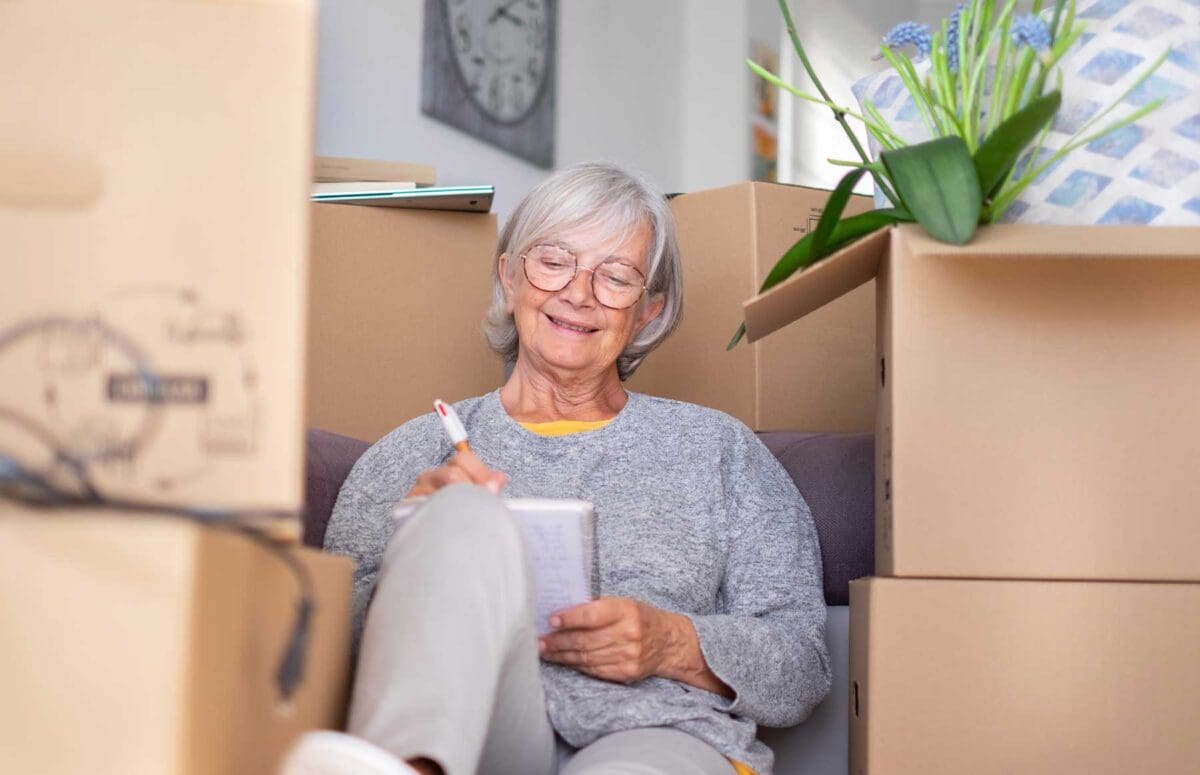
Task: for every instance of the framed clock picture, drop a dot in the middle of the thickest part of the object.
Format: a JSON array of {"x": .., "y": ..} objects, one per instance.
[{"x": 488, "y": 68}]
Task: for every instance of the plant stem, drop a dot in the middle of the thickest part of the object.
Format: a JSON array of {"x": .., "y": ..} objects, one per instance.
[
  {"x": 1058, "y": 43},
  {"x": 1000, "y": 79},
  {"x": 908, "y": 74},
  {"x": 838, "y": 115},
  {"x": 964, "y": 34},
  {"x": 875, "y": 125},
  {"x": 1058, "y": 9}
]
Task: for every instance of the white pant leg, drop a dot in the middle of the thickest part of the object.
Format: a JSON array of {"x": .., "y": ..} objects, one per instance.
[
  {"x": 651, "y": 751},
  {"x": 449, "y": 667}
]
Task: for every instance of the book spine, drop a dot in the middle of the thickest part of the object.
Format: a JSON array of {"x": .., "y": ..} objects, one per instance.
[
  {"x": 332, "y": 170},
  {"x": 362, "y": 186}
]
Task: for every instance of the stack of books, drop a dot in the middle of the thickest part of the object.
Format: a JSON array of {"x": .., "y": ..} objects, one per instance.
[
  {"x": 392, "y": 184},
  {"x": 336, "y": 175}
]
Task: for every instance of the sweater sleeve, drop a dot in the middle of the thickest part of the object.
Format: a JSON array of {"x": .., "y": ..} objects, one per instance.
[
  {"x": 361, "y": 523},
  {"x": 767, "y": 639}
]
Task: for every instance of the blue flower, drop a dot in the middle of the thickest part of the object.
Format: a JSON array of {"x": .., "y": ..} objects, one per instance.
[
  {"x": 952, "y": 38},
  {"x": 1029, "y": 30},
  {"x": 910, "y": 34}
]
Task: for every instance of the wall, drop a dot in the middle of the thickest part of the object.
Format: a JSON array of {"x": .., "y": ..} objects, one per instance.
[
  {"x": 716, "y": 90},
  {"x": 369, "y": 97},
  {"x": 841, "y": 40},
  {"x": 658, "y": 86},
  {"x": 661, "y": 86}
]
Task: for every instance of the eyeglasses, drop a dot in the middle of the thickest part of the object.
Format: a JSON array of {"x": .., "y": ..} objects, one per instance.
[{"x": 615, "y": 284}]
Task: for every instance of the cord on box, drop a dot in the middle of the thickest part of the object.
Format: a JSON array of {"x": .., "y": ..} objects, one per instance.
[{"x": 39, "y": 490}]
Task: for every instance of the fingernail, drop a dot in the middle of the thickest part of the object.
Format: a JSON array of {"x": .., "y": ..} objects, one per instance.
[
  {"x": 555, "y": 621},
  {"x": 541, "y": 646},
  {"x": 493, "y": 486}
]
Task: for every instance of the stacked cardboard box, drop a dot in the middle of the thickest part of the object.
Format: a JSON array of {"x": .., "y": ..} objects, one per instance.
[
  {"x": 396, "y": 305},
  {"x": 818, "y": 375},
  {"x": 153, "y": 217},
  {"x": 1037, "y": 547},
  {"x": 143, "y": 645},
  {"x": 154, "y": 172}
]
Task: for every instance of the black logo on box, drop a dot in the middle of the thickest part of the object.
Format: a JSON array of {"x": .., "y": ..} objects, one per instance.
[{"x": 177, "y": 389}]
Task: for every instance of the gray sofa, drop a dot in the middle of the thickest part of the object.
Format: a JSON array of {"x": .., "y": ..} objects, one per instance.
[{"x": 834, "y": 472}]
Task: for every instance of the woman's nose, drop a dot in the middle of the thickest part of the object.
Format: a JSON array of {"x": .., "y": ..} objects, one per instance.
[{"x": 579, "y": 290}]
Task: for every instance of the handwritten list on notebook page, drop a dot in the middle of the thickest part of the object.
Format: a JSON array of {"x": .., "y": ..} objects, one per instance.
[{"x": 560, "y": 535}]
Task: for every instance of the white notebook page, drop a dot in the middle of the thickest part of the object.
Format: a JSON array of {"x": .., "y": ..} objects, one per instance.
[{"x": 560, "y": 535}]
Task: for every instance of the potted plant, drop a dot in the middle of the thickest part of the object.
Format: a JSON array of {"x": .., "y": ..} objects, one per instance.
[{"x": 990, "y": 89}]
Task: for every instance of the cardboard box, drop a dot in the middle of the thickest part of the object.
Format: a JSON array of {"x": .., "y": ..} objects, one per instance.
[
  {"x": 1059, "y": 677},
  {"x": 146, "y": 645},
  {"x": 1038, "y": 409},
  {"x": 154, "y": 173},
  {"x": 817, "y": 375},
  {"x": 396, "y": 305}
]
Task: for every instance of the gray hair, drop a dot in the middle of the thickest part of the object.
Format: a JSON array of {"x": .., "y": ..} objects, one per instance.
[{"x": 585, "y": 196}]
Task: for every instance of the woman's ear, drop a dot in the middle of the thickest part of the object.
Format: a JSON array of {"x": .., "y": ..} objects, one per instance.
[
  {"x": 505, "y": 282},
  {"x": 653, "y": 308}
]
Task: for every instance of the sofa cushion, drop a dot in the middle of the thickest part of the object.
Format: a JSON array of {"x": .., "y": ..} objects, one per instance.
[
  {"x": 329, "y": 458},
  {"x": 834, "y": 472}
]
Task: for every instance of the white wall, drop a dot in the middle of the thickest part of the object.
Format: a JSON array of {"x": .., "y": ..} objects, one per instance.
[
  {"x": 715, "y": 127},
  {"x": 655, "y": 85},
  {"x": 619, "y": 93},
  {"x": 661, "y": 86},
  {"x": 841, "y": 40},
  {"x": 369, "y": 100}
]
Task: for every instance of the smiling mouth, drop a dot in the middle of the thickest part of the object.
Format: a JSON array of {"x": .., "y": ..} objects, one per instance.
[{"x": 571, "y": 326}]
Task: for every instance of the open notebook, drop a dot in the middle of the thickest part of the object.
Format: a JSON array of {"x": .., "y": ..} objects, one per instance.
[{"x": 560, "y": 535}]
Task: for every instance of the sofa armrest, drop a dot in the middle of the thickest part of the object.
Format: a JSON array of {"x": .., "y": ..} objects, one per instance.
[
  {"x": 329, "y": 458},
  {"x": 835, "y": 472}
]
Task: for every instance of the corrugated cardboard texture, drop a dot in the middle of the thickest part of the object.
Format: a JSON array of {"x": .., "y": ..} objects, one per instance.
[
  {"x": 716, "y": 242},
  {"x": 155, "y": 160},
  {"x": 148, "y": 645},
  {"x": 1038, "y": 410},
  {"x": 809, "y": 291},
  {"x": 396, "y": 304},
  {"x": 1050, "y": 678},
  {"x": 816, "y": 376},
  {"x": 1044, "y": 406}
]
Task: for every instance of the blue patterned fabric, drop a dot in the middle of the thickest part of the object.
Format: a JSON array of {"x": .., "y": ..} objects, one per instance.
[{"x": 1145, "y": 173}]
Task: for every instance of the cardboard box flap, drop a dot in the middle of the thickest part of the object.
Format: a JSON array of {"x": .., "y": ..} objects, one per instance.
[
  {"x": 816, "y": 286},
  {"x": 1042, "y": 241}
]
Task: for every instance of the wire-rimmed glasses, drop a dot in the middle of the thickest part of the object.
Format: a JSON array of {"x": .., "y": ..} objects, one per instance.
[{"x": 615, "y": 283}]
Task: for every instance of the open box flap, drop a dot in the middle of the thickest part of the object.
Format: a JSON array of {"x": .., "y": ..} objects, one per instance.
[
  {"x": 852, "y": 266},
  {"x": 1025, "y": 240},
  {"x": 816, "y": 286}
]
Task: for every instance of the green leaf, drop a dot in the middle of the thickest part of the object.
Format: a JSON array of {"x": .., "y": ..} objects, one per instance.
[
  {"x": 833, "y": 210},
  {"x": 1003, "y": 147},
  {"x": 800, "y": 255},
  {"x": 737, "y": 337},
  {"x": 937, "y": 183},
  {"x": 844, "y": 232}
]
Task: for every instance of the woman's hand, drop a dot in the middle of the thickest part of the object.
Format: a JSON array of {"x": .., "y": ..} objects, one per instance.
[
  {"x": 625, "y": 640},
  {"x": 463, "y": 466}
]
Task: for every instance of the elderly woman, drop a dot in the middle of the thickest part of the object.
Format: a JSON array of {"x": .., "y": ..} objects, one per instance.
[{"x": 709, "y": 617}]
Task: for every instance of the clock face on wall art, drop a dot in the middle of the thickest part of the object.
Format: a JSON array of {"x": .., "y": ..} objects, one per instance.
[{"x": 488, "y": 68}]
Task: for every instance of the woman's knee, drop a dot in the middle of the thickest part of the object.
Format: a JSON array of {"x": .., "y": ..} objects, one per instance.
[
  {"x": 465, "y": 520},
  {"x": 657, "y": 750}
]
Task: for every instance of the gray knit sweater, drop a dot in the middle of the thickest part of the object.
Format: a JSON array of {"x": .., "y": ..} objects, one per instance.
[{"x": 693, "y": 515}]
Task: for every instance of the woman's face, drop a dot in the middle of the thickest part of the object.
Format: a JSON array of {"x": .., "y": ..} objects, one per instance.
[{"x": 569, "y": 330}]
